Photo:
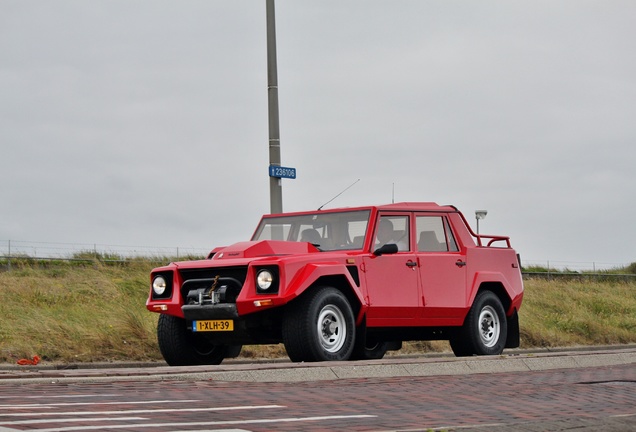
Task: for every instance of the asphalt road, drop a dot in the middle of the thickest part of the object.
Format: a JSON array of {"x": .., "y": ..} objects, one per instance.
[{"x": 540, "y": 391}]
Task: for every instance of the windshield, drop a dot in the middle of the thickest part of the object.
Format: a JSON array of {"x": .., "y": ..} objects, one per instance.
[{"x": 326, "y": 230}]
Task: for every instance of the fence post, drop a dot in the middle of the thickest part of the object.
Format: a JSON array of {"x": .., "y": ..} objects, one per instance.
[{"x": 9, "y": 258}]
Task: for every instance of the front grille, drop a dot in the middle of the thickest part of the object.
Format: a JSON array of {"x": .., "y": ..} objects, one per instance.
[{"x": 196, "y": 279}]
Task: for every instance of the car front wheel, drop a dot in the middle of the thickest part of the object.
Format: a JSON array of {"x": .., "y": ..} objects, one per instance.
[
  {"x": 181, "y": 347},
  {"x": 319, "y": 327},
  {"x": 367, "y": 348}
]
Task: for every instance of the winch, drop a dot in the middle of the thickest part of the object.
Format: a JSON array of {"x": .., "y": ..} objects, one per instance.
[{"x": 211, "y": 291}]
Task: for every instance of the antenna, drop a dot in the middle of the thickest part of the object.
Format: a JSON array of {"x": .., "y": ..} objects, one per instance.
[
  {"x": 347, "y": 188},
  {"x": 393, "y": 194}
]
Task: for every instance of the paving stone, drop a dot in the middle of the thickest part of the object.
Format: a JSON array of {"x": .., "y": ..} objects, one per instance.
[
  {"x": 386, "y": 370},
  {"x": 545, "y": 363},
  {"x": 296, "y": 374}
]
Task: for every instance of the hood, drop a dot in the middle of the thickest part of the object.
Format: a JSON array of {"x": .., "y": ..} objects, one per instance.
[{"x": 264, "y": 248}]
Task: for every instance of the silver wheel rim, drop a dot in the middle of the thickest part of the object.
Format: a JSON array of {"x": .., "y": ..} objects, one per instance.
[
  {"x": 332, "y": 328},
  {"x": 489, "y": 326}
]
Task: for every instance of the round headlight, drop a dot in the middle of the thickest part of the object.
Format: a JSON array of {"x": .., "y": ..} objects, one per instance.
[
  {"x": 159, "y": 285},
  {"x": 264, "y": 279}
]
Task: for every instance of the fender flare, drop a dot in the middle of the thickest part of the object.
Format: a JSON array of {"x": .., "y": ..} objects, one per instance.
[
  {"x": 497, "y": 278},
  {"x": 311, "y": 273}
]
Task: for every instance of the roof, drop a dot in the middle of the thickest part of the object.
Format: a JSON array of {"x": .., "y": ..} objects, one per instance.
[
  {"x": 403, "y": 206},
  {"x": 417, "y": 206}
]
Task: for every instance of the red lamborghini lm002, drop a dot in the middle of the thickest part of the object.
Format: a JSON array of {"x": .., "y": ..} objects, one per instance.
[{"x": 343, "y": 284}]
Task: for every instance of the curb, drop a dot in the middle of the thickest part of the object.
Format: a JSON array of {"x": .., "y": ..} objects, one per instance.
[{"x": 264, "y": 371}]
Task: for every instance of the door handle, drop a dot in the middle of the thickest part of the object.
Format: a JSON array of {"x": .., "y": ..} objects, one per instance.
[
  {"x": 460, "y": 263},
  {"x": 411, "y": 264}
]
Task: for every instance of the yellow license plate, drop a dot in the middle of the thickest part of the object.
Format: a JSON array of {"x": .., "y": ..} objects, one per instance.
[{"x": 212, "y": 325}]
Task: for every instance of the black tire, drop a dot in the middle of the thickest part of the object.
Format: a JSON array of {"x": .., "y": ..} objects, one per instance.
[
  {"x": 319, "y": 326},
  {"x": 180, "y": 347},
  {"x": 485, "y": 329},
  {"x": 459, "y": 346},
  {"x": 233, "y": 351},
  {"x": 374, "y": 352},
  {"x": 366, "y": 348}
]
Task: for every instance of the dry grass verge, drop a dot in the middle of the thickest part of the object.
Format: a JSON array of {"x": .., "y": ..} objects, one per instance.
[{"x": 96, "y": 312}]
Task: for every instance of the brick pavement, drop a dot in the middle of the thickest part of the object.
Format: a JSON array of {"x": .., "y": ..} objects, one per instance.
[
  {"x": 581, "y": 399},
  {"x": 276, "y": 371}
]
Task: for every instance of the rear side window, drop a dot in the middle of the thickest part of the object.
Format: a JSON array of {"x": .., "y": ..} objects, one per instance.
[
  {"x": 452, "y": 244},
  {"x": 434, "y": 235}
]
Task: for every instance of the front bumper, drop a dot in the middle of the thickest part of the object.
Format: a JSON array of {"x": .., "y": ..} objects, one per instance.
[
  {"x": 210, "y": 311},
  {"x": 257, "y": 328}
]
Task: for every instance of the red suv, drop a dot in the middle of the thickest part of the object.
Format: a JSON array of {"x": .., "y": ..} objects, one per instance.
[{"x": 343, "y": 284}]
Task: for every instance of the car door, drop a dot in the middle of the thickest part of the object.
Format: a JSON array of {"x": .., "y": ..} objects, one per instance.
[
  {"x": 442, "y": 269},
  {"x": 392, "y": 279}
]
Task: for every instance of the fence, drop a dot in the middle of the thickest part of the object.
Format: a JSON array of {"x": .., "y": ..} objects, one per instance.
[
  {"x": 43, "y": 251},
  {"x": 573, "y": 266},
  {"x": 11, "y": 249}
]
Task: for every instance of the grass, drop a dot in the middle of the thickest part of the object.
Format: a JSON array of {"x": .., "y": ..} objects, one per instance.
[
  {"x": 90, "y": 311},
  {"x": 568, "y": 312},
  {"x": 74, "y": 313}
]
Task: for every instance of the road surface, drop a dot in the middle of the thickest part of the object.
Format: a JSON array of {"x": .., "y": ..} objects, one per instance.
[{"x": 582, "y": 391}]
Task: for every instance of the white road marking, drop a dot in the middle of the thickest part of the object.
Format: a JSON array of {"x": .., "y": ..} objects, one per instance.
[
  {"x": 213, "y": 430},
  {"x": 73, "y": 420},
  {"x": 60, "y": 396},
  {"x": 213, "y": 423},
  {"x": 49, "y": 405},
  {"x": 146, "y": 411}
]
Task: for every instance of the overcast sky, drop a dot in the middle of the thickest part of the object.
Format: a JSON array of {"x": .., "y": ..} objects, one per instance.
[{"x": 144, "y": 123}]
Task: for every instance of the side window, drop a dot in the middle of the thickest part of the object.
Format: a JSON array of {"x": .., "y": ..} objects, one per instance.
[
  {"x": 393, "y": 229},
  {"x": 452, "y": 244},
  {"x": 434, "y": 235}
]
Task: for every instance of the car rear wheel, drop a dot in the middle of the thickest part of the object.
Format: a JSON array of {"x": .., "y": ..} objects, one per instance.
[
  {"x": 319, "y": 327},
  {"x": 181, "y": 347},
  {"x": 485, "y": 329}
]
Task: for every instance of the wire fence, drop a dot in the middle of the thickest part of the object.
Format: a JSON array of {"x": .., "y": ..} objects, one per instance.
[
  {"x": 47, "y": 251},
  {"x": 68, "y": 251},
  {"x": 573, "y": 266}
]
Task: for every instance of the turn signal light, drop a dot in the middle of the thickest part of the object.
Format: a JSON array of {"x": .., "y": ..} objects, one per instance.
[{"x": 260, "y": 303}]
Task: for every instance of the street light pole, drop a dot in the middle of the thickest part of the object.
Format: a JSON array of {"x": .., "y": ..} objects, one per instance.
[
  {"x": 275, "y": 186},
  {"x": 480, "y": 214}
]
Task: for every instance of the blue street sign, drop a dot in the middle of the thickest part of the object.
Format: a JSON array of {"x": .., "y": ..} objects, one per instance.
[{"x": 282, "y": 172}]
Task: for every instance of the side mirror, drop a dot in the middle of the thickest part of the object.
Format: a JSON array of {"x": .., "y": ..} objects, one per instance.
[{"x": 389, "y": 248}]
